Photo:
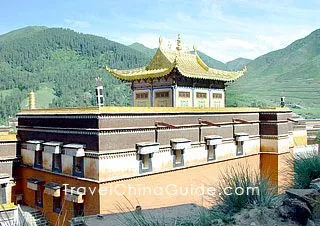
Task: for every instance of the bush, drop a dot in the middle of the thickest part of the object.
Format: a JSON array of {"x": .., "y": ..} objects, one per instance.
[
  {"x": 263, "y": 193},
  {"x": 306, "y": 169}
]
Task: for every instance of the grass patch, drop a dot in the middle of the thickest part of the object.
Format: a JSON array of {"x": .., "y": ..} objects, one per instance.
[
  {"x": 306, "y": 169},
  {"x": 44, "y": 96},
  {"x": 245, "y": 189}
]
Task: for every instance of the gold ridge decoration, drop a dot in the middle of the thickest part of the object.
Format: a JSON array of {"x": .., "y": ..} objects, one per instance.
[{"x": 189, "y": 65}]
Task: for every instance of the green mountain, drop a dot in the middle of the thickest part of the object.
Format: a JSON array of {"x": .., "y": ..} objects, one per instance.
[
  {"x": 60, "y": 65},
  {"x": 237, "y": 64},
  {"x": 292, "y": 72},
  {"x": 21, "y": 33},
  {"x": 212, "y": 62},
  {"x": 143, "y": 49}
]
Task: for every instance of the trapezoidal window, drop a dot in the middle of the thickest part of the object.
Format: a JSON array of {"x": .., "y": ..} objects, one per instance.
[{"x": 145, "y": 163}]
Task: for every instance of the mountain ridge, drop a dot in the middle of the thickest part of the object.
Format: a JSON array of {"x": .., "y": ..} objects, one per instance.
[{"x": 63, "y": 64}]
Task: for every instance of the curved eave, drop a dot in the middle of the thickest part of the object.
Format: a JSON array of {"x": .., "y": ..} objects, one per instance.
[
  {"x": 213, "y": 74},
  {"x": 137, "y": 74}
]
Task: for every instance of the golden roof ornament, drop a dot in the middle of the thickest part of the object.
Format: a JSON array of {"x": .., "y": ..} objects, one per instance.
[
  {"x": 160, "y": 41},
  {"x": 179, "y": 48},
  {"x": 195, "y": 48},
  {"x": 99, "y": 81}
]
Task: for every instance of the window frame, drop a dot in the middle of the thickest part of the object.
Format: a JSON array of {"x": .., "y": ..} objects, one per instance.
[
  {"x": 240, "y": 150},
  {"x": 40, "y": 193},
  {"x": 162, "y": 94},
  {"x": 175, "y": 164},
  {"x": 74, "y": 171},
  {"x": 143, "y": 169},
  {"x": 56, "y": 209},
  {"x": 37, "y": 164},
  {"x": 214, "y": 148},
  {"x": 54, "y": 169}
]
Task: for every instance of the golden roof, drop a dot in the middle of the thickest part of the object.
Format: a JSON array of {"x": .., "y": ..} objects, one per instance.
[
  {"x": 142, "y": 110},
  {"x": 8, "y": 137},
  {"x": 187, "y": 63}
]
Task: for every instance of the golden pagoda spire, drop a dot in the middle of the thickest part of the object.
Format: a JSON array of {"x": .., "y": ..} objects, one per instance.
[
  {"x": 179, "y": 48},
  {"x": 160, "y": 41}
]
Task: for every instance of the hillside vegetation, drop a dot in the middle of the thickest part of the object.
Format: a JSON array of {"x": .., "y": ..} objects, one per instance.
[
  {"x": 60, "y": 66},
  {"x": 32, "y": 57},
  {"x": 292, "y": 72}
]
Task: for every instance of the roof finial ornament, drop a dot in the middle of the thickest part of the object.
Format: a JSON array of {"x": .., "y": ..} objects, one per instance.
[
  {"x": 195, "y": 48},
  {"x": 160, "y": 41},
  {"x": 179, "y": 48}
]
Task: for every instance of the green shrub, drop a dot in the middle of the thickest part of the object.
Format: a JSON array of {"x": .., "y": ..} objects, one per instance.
[
  {"x": 263, "y": 193},
  {"x": 306, "y": 169}
]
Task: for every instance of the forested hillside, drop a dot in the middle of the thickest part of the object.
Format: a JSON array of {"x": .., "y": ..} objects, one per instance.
[
  {"x": 63, "y": 61},
  {"x": 60, "y": 66},
  {"x": 292, "y": 72}
]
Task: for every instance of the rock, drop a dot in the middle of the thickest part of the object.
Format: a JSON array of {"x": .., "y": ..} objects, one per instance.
[
  {"x": 310, "y": 196},
  {"x": 315, "y": 184},
  {"x": 302, "y": 211},
  {"x": 296, "y": 210},
  {"x": 253, "y": 224},
  {"x": 310, "y": 223}
]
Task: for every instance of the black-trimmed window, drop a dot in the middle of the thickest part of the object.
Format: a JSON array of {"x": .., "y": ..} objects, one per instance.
[
  {"x": 201, "y": 95},
  {"x": 38, "y": 159},
  {"x": 56, "y": 204},
  {"x": 178, "y": 159},
  {"x": 145, "y": 163},
  {"x": 38, "y": 198},
  {"x": 78, "y": 166},
  {"x": 56, "y": 163},
  {"x": 78, "y": 209},
  {"x": 184, "y": 94},
  {"x": 217, "y": 95},
  {"x": 144, "y": 95},
  {"x": 212, "y": 152},
  {"x": 162, "y": 94},
  {"x": 239, "y": 148}
]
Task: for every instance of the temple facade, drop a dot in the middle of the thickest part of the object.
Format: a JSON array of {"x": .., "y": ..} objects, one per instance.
[
  {"x": 177, "y": 78},
  {"x": 121, "y": 150}
]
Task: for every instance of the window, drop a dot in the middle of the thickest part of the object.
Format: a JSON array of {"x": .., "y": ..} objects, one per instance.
[
  {"x": 38, "y": 197},
  {"x": 164, "y": 94},
  {"x": 239, "y": 148},
  {"x": 212, "y": 152},
  {"x": 142, "y": 95},
  {"x": 201, "y": 95},
  {"x": 78, "y": 209},
  {"x": 145, "y": 163},
  {"x": 56, "y": 204},
  {"x": 38, "y": 159},
  {"x": 3, "y": 194},
  {"x": 217, "y": 95},
  {"x": 56, "y": 163},
  {"x": 178, "y": 158},
  {"x": 184, "y": 94},
  {"x": 78, "y": 169}
]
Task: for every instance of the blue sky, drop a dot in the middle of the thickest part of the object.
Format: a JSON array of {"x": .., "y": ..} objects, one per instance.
[{"x": 224, "y": 29}]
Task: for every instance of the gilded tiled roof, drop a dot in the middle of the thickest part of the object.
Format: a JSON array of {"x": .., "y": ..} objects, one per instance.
[
  {"x": 187, "y": 63},
  {"x": 142, "y": 110},
  {"x": 8, "y": 137}
]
